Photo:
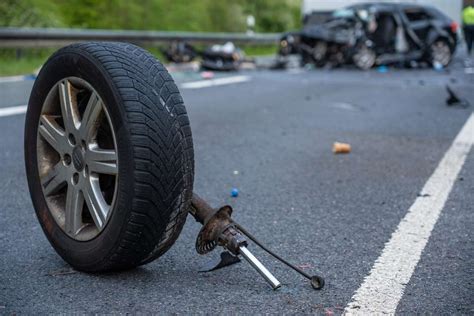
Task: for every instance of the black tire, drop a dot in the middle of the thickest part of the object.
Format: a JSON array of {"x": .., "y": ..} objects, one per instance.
[{"x": 154, "y": 149}]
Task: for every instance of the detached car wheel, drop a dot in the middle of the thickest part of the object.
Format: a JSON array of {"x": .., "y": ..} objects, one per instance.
[
  {"x": 440, "y": 52},
  {"x": 109, "y": 156}
]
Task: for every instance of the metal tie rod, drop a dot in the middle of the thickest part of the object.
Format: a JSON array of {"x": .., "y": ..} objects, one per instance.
[{"x": 254, "y": 262}]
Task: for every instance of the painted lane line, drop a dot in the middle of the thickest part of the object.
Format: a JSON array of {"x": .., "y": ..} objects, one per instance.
[
  {"x": 383, "y": 288},
  {"x": 214, "y": 82},
  {"x": 17, "y": 78},
  {"x": 13, "y": 110},
  {"x": 12, "y": 79},
  {"x": 187, "y": 85}
]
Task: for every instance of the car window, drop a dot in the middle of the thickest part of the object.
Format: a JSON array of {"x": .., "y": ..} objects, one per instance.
[
  {"x": 343, "y": 13},
  {"x": 415, "y": 15}
]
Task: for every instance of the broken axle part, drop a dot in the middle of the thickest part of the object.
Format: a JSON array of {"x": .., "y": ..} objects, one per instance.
[
  {"x": 220, "y": 230},
  {"x": 259, "y": 267},
  {"x": 317, "y": 282}
]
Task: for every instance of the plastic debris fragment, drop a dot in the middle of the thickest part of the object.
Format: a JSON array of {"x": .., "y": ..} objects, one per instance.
[
  {"x": 341, "y": 148},
  {"x": 234, "y": 192}
]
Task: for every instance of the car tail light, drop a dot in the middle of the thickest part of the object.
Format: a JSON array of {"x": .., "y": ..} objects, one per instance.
[{"x": 454, "y": 27}]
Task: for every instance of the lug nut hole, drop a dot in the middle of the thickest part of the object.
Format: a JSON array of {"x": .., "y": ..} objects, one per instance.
[
  {"x": 72, "y": 139},
  {"x": 67, "y": 159},
  {"x": 75, "y": 178}
]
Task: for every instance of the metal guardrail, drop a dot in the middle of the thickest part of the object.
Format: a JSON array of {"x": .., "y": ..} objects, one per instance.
[{"x": 48, "y": 37}]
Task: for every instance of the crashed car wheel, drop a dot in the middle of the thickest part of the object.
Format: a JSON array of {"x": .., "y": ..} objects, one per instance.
[
  {"x": 364, "y": 58},
  {"x": 440, "y": 52},
  {"x": 109, "y": 156},
  {"x": 319, "y": 53}
]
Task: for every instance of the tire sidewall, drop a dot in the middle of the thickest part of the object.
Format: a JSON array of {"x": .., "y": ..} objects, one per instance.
[{"x": 89, "y": 255}]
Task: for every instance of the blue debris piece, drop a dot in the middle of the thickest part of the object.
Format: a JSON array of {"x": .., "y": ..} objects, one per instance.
[
  {"x": 382, "y": 69},
  {"x": 234, "y": 192},
  {"x": 437, "y": 66}
]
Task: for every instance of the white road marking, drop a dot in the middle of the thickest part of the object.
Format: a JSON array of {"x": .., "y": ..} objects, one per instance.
[
  {"x": 13, "y": 110},
  {"x": 187, "y": 85},
  {"x": 13, "y": 79},
  {"x": 214, "y": 82},
  {"x": 383, "y": 288}
]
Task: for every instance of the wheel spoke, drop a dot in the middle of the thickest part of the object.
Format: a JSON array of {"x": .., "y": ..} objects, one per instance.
[
  {"x": 90, "y": 117},
  {"x": 75, "y": 126},
  {"x": 54, "y": 180},
  {"x": 68, "y": 111},
  {"x": 96, "y": 204},
  {"x": 53, "y": 133},
  {"x": 74, "y": 204},
  {"x": 103, "y": 161}
]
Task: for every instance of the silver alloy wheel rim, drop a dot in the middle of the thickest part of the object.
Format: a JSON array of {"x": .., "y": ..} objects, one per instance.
[
  {"x": 77, "y": 158},
  {"x": 364, "y": 58},
  {"x": 441, "y": 53},
  {"x": 319, "y": 51}
]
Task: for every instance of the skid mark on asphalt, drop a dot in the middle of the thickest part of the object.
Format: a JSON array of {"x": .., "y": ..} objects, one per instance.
[
  {"x": 13, "y": 110},
  {"x": 214, "y": 82},
  {"x": 383, "y": 288}
]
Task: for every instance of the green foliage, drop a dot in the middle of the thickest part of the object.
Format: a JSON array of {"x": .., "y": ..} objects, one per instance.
[
  {"x": 177, "y": 15},
  {"x": 29, "y": 13},
  {"x": 274, "y": 15},
  {"x": 166, "y": 15},
  {"x": 22, "y": 61}
]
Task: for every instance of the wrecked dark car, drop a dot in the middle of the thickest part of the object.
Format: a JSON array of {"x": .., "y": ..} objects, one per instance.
[
  {"x": 225, "y": 57},
  {"x": 376, "y": 34}
]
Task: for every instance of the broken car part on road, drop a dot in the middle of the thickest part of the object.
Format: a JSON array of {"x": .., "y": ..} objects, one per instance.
[
  {"x": 219, "y": 229},
  {"x": 110, "y": 163}
]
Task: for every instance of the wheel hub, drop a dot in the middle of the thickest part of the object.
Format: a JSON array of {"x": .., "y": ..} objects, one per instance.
[{"x": 78, "y": 159}]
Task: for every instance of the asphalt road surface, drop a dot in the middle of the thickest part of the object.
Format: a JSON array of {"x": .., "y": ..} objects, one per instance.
[{"x": 336, "y": 215}]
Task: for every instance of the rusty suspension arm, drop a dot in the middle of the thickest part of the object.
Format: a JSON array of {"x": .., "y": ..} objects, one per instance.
[{"x": 219, "y": 229}]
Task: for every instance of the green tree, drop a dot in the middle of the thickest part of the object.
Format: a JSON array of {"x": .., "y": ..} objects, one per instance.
[
  {"x": 29, "y": 13},
  {"x": 179, "y": 15}
]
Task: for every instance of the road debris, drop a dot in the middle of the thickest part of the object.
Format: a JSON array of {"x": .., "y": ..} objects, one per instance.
[
  {"x": 382, "y": 69},
  {"x": 234, "y": 192},
  {"x": 236, "y": 172},
  {"x": 438, "y": 66},
  {"x": 224, "y": 57},
  {"x": 207, "y": 74},
  {"x": 341, "y": 148}
]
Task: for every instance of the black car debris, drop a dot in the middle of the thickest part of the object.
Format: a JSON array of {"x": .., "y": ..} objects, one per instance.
[
  {"x": 376, "y": 34},
  {"x": 225, "y": 57},
  {"x": 180, "y": 52}
]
